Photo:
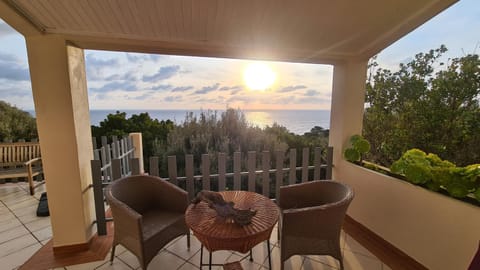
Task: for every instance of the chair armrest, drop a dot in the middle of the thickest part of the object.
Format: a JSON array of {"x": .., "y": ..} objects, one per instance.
[
  {"x": 126, "y": 219},
  {"x": 31, "y": 161}
]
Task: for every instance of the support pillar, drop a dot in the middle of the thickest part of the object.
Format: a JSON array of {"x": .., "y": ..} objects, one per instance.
[
  {"x": 60, "y": 95},
  {"x": 348, "y": 99}
]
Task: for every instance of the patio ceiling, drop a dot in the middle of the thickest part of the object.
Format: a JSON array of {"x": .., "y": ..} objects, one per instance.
[{"x": 317, "y": 31}]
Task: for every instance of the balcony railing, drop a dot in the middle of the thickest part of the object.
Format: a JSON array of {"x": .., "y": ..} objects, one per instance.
[{"x": 240, "y": 174}]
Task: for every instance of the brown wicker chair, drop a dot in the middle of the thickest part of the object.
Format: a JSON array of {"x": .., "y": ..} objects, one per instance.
[
  {"x": 148, "y": 212},
  {"x": 312, "y": 215}
]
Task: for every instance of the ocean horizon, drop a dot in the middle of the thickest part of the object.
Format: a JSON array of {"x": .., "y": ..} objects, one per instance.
[{"x": 296, "y": 121}]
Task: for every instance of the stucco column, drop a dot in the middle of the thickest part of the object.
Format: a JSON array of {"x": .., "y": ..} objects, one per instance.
[
  {"x": 348, "y": 97},
  {"x": 63, "y": 121}
]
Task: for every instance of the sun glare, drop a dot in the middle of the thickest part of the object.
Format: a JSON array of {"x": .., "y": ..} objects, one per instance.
[{"x": 258, "y": 76}]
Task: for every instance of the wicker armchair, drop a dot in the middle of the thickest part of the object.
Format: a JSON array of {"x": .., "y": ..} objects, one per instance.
[
  {"x": 148, "y": 213},
  {"x": 312, "y": 215}
]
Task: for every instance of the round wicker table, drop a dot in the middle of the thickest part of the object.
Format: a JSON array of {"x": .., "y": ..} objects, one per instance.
[{"x": 216, "y": 234}]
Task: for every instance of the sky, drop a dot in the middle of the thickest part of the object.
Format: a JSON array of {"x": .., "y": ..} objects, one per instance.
[{"x": 120, "y": 80}]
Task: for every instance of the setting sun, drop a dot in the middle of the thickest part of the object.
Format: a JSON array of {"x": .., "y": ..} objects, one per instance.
[{"x": 259, "y": 76}]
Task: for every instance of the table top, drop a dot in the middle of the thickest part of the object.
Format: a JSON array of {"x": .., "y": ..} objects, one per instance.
[{"x": 216, "y": 234}]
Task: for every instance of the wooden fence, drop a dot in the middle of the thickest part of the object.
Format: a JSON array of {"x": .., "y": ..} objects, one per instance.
[{"x": 266, "y": 180}]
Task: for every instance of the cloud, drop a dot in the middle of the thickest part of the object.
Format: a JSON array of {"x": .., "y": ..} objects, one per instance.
[
  {"x": 128, "y": 76},
  {"x": 97, "y": 62},
  {"x": 226, "y": 88},
  {"x": 96, "y": 66},
  {"x": 10, "y": 68},
  {"x": 291, "y": 88},
  {"x": 207, "y": 89},
  {"x": 162, "y": 74},
  {"x": 155, "y": 57},
  {"x": 173, "y": 98},
  {"x": 137, "y": 57},
  {"x": 181, "y": 88},
  {"x": 116, "y": 85},
  {"x": 161, "y": 87},
  {"x": 311, "y": 93},
  {"x": 6, "y": 30},
  {"x": 233, "y": 89}
]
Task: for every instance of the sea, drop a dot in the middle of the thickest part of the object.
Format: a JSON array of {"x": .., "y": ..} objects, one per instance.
[{"x": 296, "y": 121}]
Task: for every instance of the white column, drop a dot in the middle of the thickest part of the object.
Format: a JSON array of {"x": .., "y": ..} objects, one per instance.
[
  {"x": 61, "y": 104},
  {"x": 138, "y": 153},
  {"x": 348, "y": 98}
]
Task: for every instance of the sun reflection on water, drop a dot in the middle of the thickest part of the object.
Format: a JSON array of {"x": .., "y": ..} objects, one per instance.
[{"x": 259, "y": 118}]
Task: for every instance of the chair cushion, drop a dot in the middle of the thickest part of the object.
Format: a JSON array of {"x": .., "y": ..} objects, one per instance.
[{"x": 155, "y": 221}]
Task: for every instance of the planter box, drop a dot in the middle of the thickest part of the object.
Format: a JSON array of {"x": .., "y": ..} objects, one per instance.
[{"x": 438, "y": 231}]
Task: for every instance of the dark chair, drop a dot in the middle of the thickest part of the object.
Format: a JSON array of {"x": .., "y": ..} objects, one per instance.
[
  {"x": 312, "y": 215},
  {"x": 148, "y": 212}
]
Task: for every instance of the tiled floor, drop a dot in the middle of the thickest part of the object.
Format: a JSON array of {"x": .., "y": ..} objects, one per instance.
[{"x": 22, "y": 233}]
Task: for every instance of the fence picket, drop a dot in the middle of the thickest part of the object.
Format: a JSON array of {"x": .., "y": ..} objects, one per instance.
[
  {"x": 317, "y": 162},
  {"x": 172, "y": 170},
  {"x": 236, "y": 170},
  {"x": 98, "y": 197},
  {"x": 153, "y": 163},
  {"x": 206, "y": 172},
  {"x": 279, "y": 172},
  {"x": 221, "y": 171},
  {"x": 292, "y": 176},
  {"x": 329, "y": 163},
  {"x": 305, "y": 156},
  {"x": 189, "y": 174},
  {"x": 266, "y": 173},
  {"x": 251, "y": 170}
]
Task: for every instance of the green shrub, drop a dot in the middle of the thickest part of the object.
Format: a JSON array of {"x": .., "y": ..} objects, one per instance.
[
  {"x": 435, "y": 173},
  {"x": 358, "y": 147}
]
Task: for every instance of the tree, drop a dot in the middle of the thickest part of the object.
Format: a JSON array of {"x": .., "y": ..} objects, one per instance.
[
  {"x": 154, "y": 132},
  {"x": 16, "y": 124},
  {"x": 426, "y": 104}
]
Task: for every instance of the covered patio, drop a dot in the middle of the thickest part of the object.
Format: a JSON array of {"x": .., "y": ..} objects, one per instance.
[{"x": 435, "y": 231}]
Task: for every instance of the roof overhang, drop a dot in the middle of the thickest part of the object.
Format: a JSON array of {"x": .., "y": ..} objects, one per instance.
[{"x": 311, "y": 31}]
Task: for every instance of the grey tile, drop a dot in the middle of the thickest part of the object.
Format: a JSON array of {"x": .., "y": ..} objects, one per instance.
[
  {"x": 165, "y": 260},
  {"x": 17, "y": 244},
  {"x": 12, "y": 233},
  {"x": 43, "y": 234},
  {"x": 18, "y": 258},
  {"x": 38, "y": 224},
  {"x": 353, "y": 246},
  {"x": 357, "y": 261}
]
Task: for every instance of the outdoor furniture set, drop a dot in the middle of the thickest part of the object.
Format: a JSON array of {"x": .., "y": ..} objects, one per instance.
[{"x": 149, "y": 212}]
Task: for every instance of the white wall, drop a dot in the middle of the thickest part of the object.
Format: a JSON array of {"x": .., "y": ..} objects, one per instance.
[{"x": 437, "y": 231}]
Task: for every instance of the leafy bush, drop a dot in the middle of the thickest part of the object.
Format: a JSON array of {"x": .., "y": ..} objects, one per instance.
[
  {"x": 359, "y": 147},
  {"x": 437, "y": 174},
  {"x": 16, "y": 124}
]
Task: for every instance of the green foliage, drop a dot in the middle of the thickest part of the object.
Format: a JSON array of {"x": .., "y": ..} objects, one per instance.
[
  {"x": 154, "y": 132},
  {"x": 229, "y": 132},
  {"x": 359, "y": 147},
  {"x": 426, "y": 104},
  {"x": 352, "y": 155},
  {"x": 16, "y": 124},
  {"x": 435, "y": 173}
]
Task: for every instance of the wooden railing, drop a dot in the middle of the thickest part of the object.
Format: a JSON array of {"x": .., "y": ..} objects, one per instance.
[{"x": 262, "y": 179}]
